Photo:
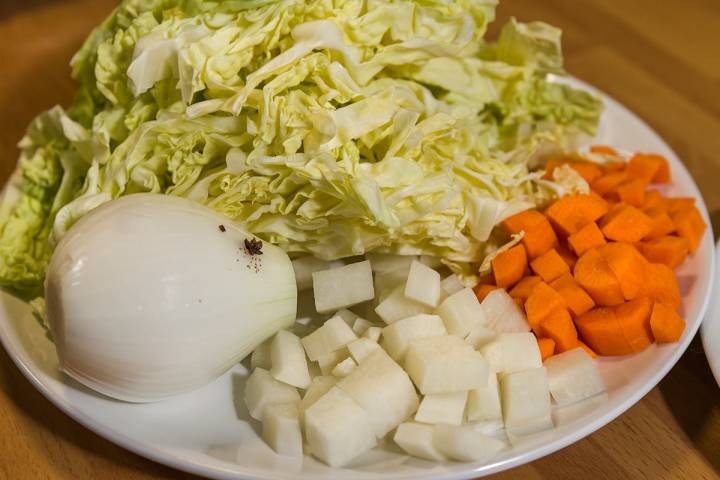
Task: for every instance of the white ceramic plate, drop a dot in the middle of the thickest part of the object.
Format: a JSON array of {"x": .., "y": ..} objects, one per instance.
[
  {"x": 711, "y": 327},
  {"x": 207, "y": 431}
]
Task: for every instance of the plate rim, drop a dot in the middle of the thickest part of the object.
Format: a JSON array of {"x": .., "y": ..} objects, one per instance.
[{"x": 196, "y": 467}]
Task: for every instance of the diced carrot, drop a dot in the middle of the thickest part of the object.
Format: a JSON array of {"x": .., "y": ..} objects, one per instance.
[
  {"x": 568, "y": 257},
  {"x": 594, "y": 275},
  {"x": 547, "y": 347},
  {"x": 615, "y": 166},
  {"x": 662, "y": 224},
  {"x": 577, "y": 300},
  {"x": 586, "y": 238},
  {"x": 551, "y": 165},
  {"x": 540, "y": 303},
  {"x": 572, "y": 212},
  {"x": 649, "y": 167},
  {"x": 588, "y": 170},
  {"x": 600, "y": 330},
  {"x": 633, "y": 192},
  {"x": 549, "y": 266},
  {"x": 509, "y": 266},
  {"x": 559, "y": 326},
  {"x": 482, "y": 289},
  {"x": 676, "y": 204},
  {"x": 661, "y": 284},
  {"x": 627, "y": 224},
  {"x": 634, "y": 320},
  {"x": 690, "y": 225},
  {"x": 667, "y": 326},
  {"x": 628, "y": 265},
  {"x": 608, "y": 182},
  {"x": 524, "y": 287},
  {"x": 669, "y": 250},
  {"x": 589, "y": 350},
  {"x": 539, "y": 236},
  {"x": 653, "y": 199},
  {"x": 520, "y": 303},
  {"x": 603, "y": 149}
]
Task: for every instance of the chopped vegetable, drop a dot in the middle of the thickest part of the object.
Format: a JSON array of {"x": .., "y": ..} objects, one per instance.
[
  {"x": 483, "y": 402},
  {"x": 574, "y": 297},
  {"x": 666, "y": 324},
  {"x": 525, "y": 397},
  {"x": 465, "y": 444},
  {"x": 668, "y": 250},
  {"x": 509, "y": 266},
  {"x": 661, "y": 284},
  {"x": 573, "y": 376},
  {"x": 525, "y": 287},
  {"x": 417, "y": 439},
  {"x": 547, "y": 347},
  {"x": 650, "y": 168},
  {"x": 448, "y": 408},
  {"x": 512, "y": 352},
  {"x": 397, "y": 336},
  {"x": 559, "y": 326},
  {"x": 483, "y": 290},
  {"x": 628, "y": 266},
  {"x": 423, "y": 284},
  {"x": 634, "y": 320},
  {"x": 281, "y": 429},
  {"x": 593, "y": 273},
  {"x": 543, "y": 300},
  {"x": 690, "y": 226},
  {"x": 460, "y": 311},
  {"x": 586, "y": 238},
  {"x": 550, "y": 266},
  {"x": 538, "y": 237},
  {"x": 502, "y": 314},
  {"x": 626, "y": 224},
  {"x": 632, "y": 192},
  {"x": 572, "y": 212},
  {"x": 331, "y": 286},
  {"x": 661, "y": 225}
]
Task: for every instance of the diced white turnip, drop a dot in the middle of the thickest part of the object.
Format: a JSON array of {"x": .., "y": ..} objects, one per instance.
[
  {"x": 330, "y": 337},
  {"x": 503, "y": 314},
  {"x": 512, "y": 352},
  {"x": 386, "y": 283},
  {"x": 480, "y": 335},
  {"x": 260, "y": 357},
  {"x": 361, "y": 348},
  {"x": 423, "y": 285},
  {"x": 384, "y": 263},
  {"x": 525, "y": 397},
  {"x": 304, "y": 268},
  {"x": 344, "y": 368},
  {"x": 318, "y": 387},
  {"x": 451, "y": 284},
  {"x": 348, "y": 316},
  {"x": 397, "y": 306},
  {"x": 383, "y": 389},
  {"x": 573, "y": 376},
  {"x": 487, "y": 427},
  {"x": 327, "y": 362},
  {"x": 281, "y": 429},
  {"x": 262, "y": 390},
  {"x": 460, "y": 312},
  {"x": 442, "y": 408},
  {"x": 289, "y": 364},
  {"x": 360, "y": 326},
  {"x": 484, "y": 402},
  {"x": 445, "y": 364},
  {"x": 373, "y": 333},
  {"x": 416, "y": 439},
  {"x": 342, "y": 287},
  {"x": 465, "y": 444},
  {"x": 337, "y": 428},
  {"x": 397, "y": 336}
]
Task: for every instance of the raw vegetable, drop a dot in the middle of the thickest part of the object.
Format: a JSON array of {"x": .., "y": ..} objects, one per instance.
[
  {"x": 666, "y": 324},
  {"x": 538, "y": 235},
  {"x": 483, "y": 403},
  {"x": 423, "y": 284},
  {"x": 447, "y": 408},
  {"x": 549, "y": 266},
  {"x": 512, "y": 352},
  {"x": 586, "y": 238},
  {"x": 525, "y": 287},
  {"x": 288, "y": 360},
  {"x": 572, "y": 212},
  {"x": 281, "y": 429},
  {"x": 465, "y": 444},
  {"x": 509, "y": 266},
  {"x": 460, "y": 311},
  {"x": 262, "y": 390},
  {"x": 547, "y": 347},
  {"x": 397, "y": 336},
  {"x": 331, "y": 291},
  {"x": 417, "y": 439},
  {"x": 558, "y": 326},
  {"x": 525, "y": 397},
  {"x": 573, "y": 376},
  {"x": 626, "y": 224}
]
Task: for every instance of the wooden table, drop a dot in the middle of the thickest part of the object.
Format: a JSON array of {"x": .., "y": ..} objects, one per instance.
[{"x": 661, "y": 59}]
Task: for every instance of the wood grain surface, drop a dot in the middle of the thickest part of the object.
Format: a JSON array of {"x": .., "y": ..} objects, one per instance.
[{"x": 660, "y": 58}]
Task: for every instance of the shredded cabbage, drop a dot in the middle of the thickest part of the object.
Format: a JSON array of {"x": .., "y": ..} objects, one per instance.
[{"x": 330, "y": 127}]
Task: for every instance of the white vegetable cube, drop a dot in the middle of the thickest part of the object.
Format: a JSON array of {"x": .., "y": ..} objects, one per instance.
[
  {"x": 337, "y": 428},
  {"x": 465, "y": 444},
  {"x": 344, "y": 368},
  {"x": 332, "y": 336},
  {"x": 373, "y": 333},
  {"x": 304, "y": 268},
  {"x": 383, "y": 389},
  {"x": 360, "y": 326},
  {"x": 342, "y": 287},
  {"x": 423, "y": 284},
  {"x": 262, "y": 390},
  {"x": 573, "y": 376},
  {"x": 326, "y": 363},
  {"x": 281, "y": 429},
  {"x": 460, "y": 312},
  {"x": 484, "y": 402},
  {"x": 397, "y": 336},
  {"x": 480, "y": 335},
  {"x": 442, "y": 408},
  {"x": 361, "y": 348},
  {"x": 386, "y": 283},
  {"x": 384, "y": 263},
  {"x": 288, "y": 360},
  {"x": 512, "y": 352},
  {"x": 397, "y": 306},
  {"x": 525, "y": 397},
  {"x": 319, "y": 386},
  {"x": 348, "y": 316},
  {"x": 417, "y": 440},
  {"x": 260, "y": 357},
  {"x": 503, "y": 314},
  {"x": 451, "y": 284},
  {"x": 445, "y": 364}
]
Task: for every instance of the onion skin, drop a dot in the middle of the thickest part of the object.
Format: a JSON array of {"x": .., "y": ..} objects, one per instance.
[{"x": 149, "y": 296}]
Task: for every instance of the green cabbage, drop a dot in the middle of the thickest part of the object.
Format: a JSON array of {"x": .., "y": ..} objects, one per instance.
[{"x": 331, "y": 127}]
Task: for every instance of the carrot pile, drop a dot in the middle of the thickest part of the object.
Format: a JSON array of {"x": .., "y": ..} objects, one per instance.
[{"x": 596, "y": 271}]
